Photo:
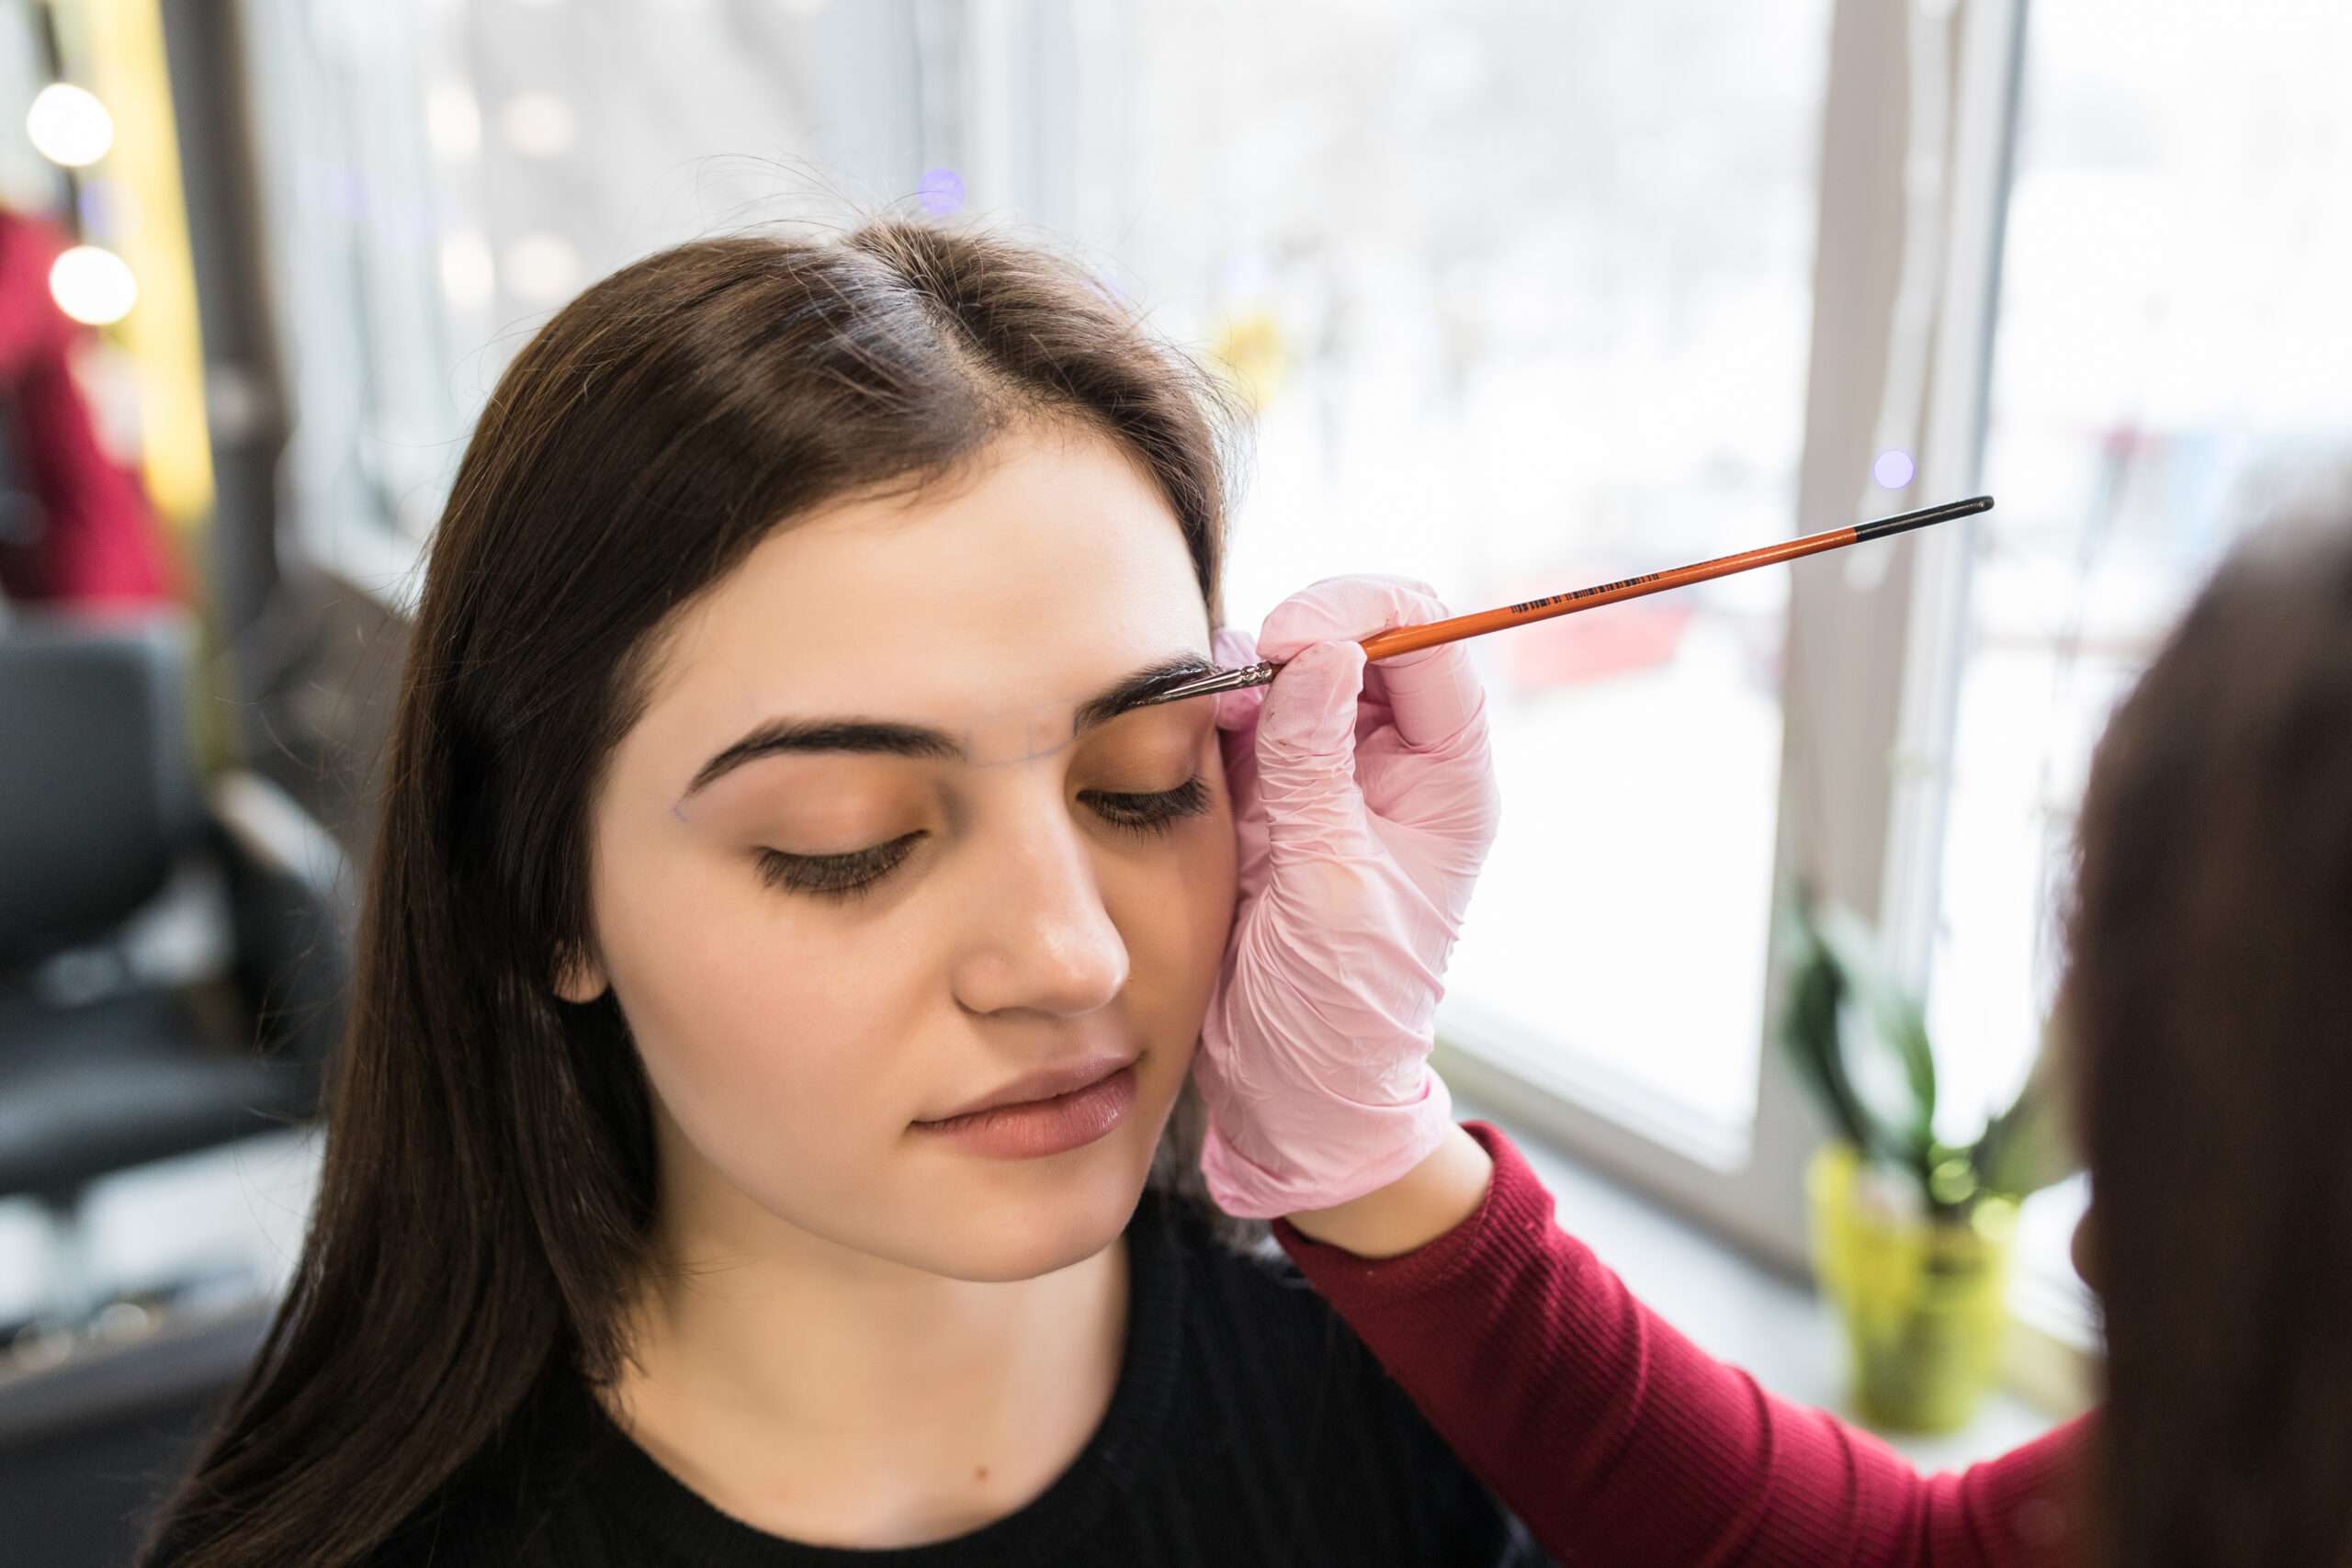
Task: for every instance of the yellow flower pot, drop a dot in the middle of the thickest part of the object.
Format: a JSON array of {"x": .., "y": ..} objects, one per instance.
[{"x": 1924, "y": 1303}]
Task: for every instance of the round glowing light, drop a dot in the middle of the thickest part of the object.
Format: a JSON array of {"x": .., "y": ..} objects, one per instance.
[
  {"x": 942, "y": 191},
  {"x": 92, "y": 284},
  {"x": 1894, "y": 469},
  {"x": 452, "y": 122},
  {"x": 537, "y": 124},
  {"x": 468, "y": 275},
  {"x": 69, "y": 125},
  {"x": 542, "y": 269}
]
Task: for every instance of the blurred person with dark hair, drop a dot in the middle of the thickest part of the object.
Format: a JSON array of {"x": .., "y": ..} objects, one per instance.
[
  {"x": 75, "y": 527},
  {"x": 2210, "y": 1002}
]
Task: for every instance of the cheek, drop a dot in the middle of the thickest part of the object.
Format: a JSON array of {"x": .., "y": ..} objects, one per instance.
[{"x": 761, "y": 1034}]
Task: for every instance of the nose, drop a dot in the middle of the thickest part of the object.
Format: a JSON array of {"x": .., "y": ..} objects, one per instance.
[{"x": 1039, "y": 935}]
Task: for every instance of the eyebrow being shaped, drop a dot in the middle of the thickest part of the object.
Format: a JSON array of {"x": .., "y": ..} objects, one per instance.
[{"x": 888, "y": 737}]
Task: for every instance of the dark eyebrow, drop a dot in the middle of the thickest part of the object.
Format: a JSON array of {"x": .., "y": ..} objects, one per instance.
[{"x": 885, "y": 738}]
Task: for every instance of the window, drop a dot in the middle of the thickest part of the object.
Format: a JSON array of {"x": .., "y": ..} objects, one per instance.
[
  {"x": 439, "y": 179},
  {"x": 1540, "y": 297},
  {"x": 1525, "y": 320},
  {"x": 1522, "y": 331},
  {"x": 2171, "y": 331},
  {"x": 2172, "y": 321}
]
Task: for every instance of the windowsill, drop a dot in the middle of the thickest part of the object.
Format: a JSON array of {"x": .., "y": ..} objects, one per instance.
[{"x": 1737, "y": 1308}]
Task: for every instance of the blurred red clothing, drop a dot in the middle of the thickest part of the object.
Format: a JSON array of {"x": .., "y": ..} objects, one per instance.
[{"x": 95, "y": 538}]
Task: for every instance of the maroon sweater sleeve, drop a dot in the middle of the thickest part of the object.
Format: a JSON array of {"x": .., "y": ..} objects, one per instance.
[{"x": 1618, "y": 1440}]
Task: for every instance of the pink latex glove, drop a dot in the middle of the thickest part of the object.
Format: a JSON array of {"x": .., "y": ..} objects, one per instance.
[{"x": 1364, "y": 801}]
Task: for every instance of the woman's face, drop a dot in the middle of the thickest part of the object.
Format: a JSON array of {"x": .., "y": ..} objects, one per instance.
[{"x": 1036, "y": 895}]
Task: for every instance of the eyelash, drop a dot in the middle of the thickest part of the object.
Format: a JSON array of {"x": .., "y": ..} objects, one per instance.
[{"x": 844, "y": 878}]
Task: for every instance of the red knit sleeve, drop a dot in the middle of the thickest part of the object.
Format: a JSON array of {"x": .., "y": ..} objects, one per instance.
[{"x": 1618, "y": 1440}]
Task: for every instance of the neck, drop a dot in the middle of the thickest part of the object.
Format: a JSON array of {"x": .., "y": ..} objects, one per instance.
[{"x": 832, "y": 1396}]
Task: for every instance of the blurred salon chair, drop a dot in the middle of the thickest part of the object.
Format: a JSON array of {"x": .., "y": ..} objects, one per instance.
[
  {"x": 174, "y": 957},
  {"x": 91, "y": 1443}
]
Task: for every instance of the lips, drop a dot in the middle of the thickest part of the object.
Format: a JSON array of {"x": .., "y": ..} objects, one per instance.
[
  {"x": 1038, "y": 1129},
  {"x": 1047, "y": 1083}
]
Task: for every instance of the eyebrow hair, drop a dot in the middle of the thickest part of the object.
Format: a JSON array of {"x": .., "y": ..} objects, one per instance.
[{"x": 888, "y": 737}]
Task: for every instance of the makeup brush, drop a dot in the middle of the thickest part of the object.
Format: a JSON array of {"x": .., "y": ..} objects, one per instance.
[{"x": 1453, "y": 628}]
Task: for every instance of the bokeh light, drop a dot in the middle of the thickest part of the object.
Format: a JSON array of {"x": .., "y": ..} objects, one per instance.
[
  {"x": 538, "y": 124},
  {"x": 942, "y": 192},
  {"x": 452, "y": 122},
  {"x": 69, "y": 125},
  {"x": 92, "y": 284},
  {"x": 542, "y": 269},
  {"x": 1894, "y": 469},
  {"x": 469, "y": 273}
]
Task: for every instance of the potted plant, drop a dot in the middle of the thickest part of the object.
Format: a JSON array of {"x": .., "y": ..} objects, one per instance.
[{"x": 1911, "y": 1235}]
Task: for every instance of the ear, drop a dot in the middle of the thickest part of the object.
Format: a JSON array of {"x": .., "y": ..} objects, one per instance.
[{"x": 581, "y": 980}]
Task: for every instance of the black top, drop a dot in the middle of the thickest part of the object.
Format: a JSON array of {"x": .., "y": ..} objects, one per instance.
[{"x": 1249, "y": 1426}]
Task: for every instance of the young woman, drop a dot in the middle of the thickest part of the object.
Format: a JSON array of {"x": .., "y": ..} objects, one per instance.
[{"x": 768, "y": 801}]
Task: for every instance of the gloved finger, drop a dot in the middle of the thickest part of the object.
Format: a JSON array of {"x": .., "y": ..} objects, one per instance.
[
  {"x": 1433, "y": 693},
  {"x": 1306, "y": 747},
  {"x": 1229, "y": 648}
]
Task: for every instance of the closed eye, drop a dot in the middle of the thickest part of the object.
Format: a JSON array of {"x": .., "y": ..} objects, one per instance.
[
  {"x": 844, "y": 877},
  {"x": 1156, "y": 812}
]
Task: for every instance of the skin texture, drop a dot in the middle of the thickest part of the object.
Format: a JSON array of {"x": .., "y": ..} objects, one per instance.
[{"x": 866, "y": 1337}]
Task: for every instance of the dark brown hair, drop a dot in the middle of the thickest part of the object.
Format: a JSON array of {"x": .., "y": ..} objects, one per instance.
[
  {"x": 489, "y": 1174},
  {"x": 2209, "y": 996}
]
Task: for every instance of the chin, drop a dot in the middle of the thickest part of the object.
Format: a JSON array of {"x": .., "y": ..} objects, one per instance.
[{"x": 1016, "y": 1220}]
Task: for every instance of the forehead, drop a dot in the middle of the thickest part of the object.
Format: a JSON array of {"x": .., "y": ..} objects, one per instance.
[{"x": 1054, "y": 565}]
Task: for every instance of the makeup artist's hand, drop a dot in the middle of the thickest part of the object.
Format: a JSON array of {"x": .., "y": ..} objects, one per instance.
[{"x": 1364, "y": 801}]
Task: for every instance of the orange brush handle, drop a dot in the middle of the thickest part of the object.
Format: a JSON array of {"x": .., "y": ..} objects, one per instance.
[{"x": 1453, "y": 628}]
